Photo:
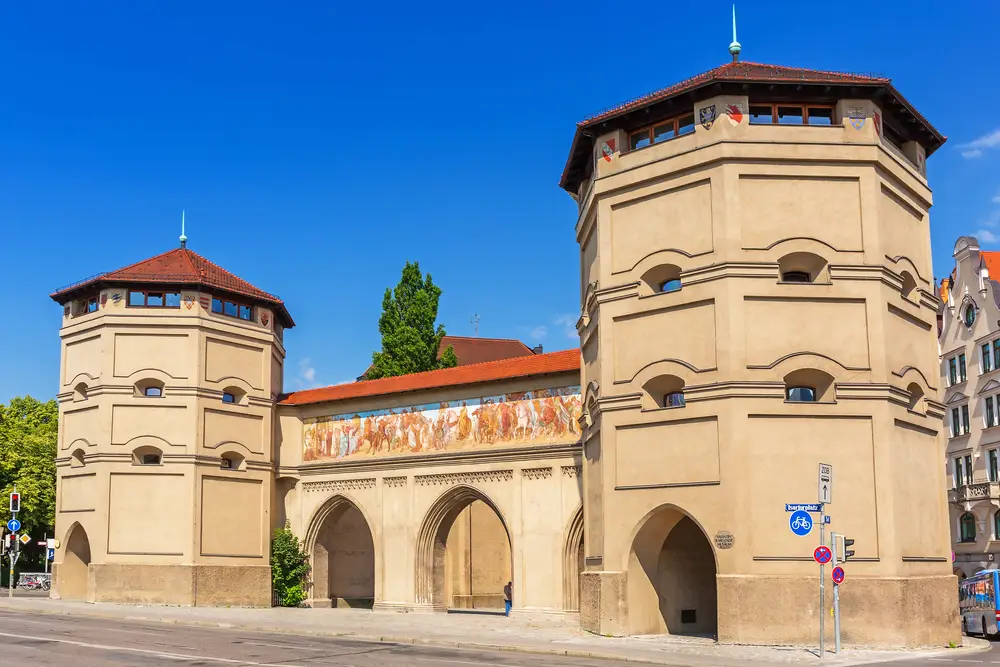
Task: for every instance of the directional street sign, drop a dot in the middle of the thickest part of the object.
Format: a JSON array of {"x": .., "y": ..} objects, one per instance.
[
  {"x": 838, "y": 575},
  {"x": 25, "y": 538},
  {"x": 825, "y": 483},
  {"x": 800, "y": 522},
  {"x": 804, "y": 507},
  {"x": 822, "y": 555},
  {"x": 826, "y": 519},
  {"x": 13, "y": 525},
  {"x": 52, "y": 554}
]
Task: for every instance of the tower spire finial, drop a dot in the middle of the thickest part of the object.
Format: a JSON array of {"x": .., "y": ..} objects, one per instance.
[
  {"x": 734, "y": 47},
  {"x": 184, "y": 238}
]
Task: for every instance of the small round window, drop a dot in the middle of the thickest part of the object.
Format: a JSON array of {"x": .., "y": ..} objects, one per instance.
[{"x": 970, "y": 315}]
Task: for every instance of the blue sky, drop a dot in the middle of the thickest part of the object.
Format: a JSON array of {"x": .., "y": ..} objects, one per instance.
[{"x": 317, "y": 146}]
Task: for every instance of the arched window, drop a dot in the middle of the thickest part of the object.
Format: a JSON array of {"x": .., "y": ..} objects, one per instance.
[
  {"x": 664, "y": 391},
  {"x": 967, "y": 527},
  {"x": 909, "y": 285},
  {"x": 803, "y": 267},
  {"x": 76, "y": 459},
  {"x": 808, "y": 385},
  {"x": 969, "y": 315},
  {"x": 663, "y": 278},
  {"x": 80, "y": 392},
  {"x": 233, "y": 395},
  {"x": 232, "y": 461},
  {"x": 149, "y": 387},
  {"x": 147, "y": 456},
  {"x": 916, "y": 398}
]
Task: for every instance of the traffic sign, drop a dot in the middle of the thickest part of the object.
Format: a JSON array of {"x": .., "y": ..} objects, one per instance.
[
  {"x": 822, "y": 555},
  {"x": 25, "y": 539},
  {"x": 52, "y": 554},
  {"x": 800, "y": 522},
  {"x": 826, "y": 519},
  {"x": 825, "y": 483},
  {"x": 804, "y": 507},
  {"x": 838, "y": 575},
  {"x": 13, "y": 525}
]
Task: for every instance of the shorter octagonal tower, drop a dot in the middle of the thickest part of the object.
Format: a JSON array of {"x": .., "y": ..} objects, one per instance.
[
  {"x": 757, "y": 299},
  {"x": 169, "y": 375}
]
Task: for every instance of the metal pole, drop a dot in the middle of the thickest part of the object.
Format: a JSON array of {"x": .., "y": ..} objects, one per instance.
[
  {"x": 45, "y": 552},
  {"x": 822, "y": 581},
  {"x": 836, "y": 598},
  {"x": 13, "y": 562}
]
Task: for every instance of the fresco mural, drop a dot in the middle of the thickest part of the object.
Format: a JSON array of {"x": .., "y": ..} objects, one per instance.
[{"x": 542, "y": 416}]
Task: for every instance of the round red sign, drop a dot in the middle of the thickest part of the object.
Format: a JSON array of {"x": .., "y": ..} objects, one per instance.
[
  {"x": 822, "y": 555},
  {"x": 838, "y": 575}
]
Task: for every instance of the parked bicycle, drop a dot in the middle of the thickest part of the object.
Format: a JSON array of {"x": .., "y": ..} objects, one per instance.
[{"x": 34, "y": 581}]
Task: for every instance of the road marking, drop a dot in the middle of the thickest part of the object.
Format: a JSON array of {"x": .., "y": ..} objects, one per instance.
[
  {"x": 297, "y": 648},
  {"x": 463, "y": 662},
  {"x": 159, "y": 654}
]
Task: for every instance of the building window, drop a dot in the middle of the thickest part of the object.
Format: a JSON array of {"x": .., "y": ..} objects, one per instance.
[
  {"x": 149, "y": 387},
  {"x": 795, "y": 277},
  {"x": 969, "y": 316},
  {"x": 790, "y": 114},
  {"x": 996, "y": 525},
  {"x": 232, "y": 309},
  {"x": 996, "y": 354},
  {"x": 150, "y": 459},
  {"x": 967, "y": 525},
  {"x": 990, "y": 414},
  {"x": 91, "y": 305},
  {"x": 801, "y": 394},
  {"x": 991, "y": 465},
  {"x": 986, "y": 363},
  {"x": 152, "y": 391},
  {"x": 228, "y": 398},
  {"x": 153, "y": 299},
  {"x": 960, "y": 421},
  {"x": 674, "y": 399},
  {"x": 956, "y": 369},
  {"x": 661, "y": 132},
  {"x": 961, "y": 368}
]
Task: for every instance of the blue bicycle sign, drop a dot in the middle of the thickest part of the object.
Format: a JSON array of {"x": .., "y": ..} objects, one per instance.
[{"x": 800, "y": 522}]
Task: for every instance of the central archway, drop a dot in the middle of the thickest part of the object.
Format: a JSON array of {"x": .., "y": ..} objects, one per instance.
[
  {"x": 463, "y": 553},
  {"x": 672, "y": 577},
  {"x": 73, "y": 572},
  {"x": 343, "y": 556}
]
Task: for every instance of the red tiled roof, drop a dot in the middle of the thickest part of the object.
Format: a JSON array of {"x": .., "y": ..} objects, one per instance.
[
  {"x": 179, "y": 266},
  {"x": 991, "y": 258},
  {"x": 478, "y": 350},
  {"x": 491, "y": 371},
  {"x": 737, "y": 72}
]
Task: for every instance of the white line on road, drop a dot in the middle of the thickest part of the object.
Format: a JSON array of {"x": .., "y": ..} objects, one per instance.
[
  {"x": 297, "y": 648},
  {"x": 159, "y": 654}
]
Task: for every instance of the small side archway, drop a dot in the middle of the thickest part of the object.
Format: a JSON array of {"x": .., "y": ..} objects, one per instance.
[
  {"x": 463, "y": 552},
  {"x": 74, "y": 569},
  {"x": 342, "y": 547},
  {"x": 672, "y": 576},
  {"x": 573, "y": 562}
]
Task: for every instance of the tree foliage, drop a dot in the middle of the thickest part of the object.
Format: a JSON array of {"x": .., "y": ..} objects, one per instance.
[
  {"x": 28, "y": 432},
  {"x": 289, "y": 567},
  {"x": 410, "y": 341}
]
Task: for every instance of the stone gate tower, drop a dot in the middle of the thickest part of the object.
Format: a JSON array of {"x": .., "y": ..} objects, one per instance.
[
  {"x": 757, "y": 298},
  {"x": 170, "y": 371}
]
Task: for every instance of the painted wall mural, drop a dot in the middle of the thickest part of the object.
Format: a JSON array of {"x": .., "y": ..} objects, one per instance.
[{"x": 541, "y": 416}]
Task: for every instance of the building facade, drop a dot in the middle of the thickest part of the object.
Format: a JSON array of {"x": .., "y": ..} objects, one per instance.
[
  {"x": 970, "y": 350},
  {"x": 756, "y": 299}
]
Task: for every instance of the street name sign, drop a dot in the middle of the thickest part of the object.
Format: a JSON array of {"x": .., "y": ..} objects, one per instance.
[
  {"x": 803, "y": 507},
  {"x": 825, "y": 483}
]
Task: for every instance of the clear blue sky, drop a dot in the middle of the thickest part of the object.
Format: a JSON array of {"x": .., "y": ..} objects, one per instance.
[{"x": 319, "y": 145}]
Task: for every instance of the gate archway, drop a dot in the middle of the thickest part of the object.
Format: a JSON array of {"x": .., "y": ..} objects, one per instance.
[
  {"x": 74, "y": 570},
  {"x": 573, "y": 562},
  {"x": 463, "y": 557},
  {"x": 343, "y": 556}
]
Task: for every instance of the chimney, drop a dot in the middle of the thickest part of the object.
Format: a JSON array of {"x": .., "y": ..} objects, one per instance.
[{"x": 537, "y": 349}]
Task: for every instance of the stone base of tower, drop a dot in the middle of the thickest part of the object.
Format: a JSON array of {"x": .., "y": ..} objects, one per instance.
[
  {"x": 886, "y": 612},
  {"x": 184, "y": 585}
]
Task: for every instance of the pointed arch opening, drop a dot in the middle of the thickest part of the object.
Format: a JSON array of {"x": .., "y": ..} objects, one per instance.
[
  {"x": 73, "y": 571},
  {"x": 573, "y": 562},
  {"x": 672, "y": 577},
  {"x": 463, "y": 558},
  {"x": 343, "y": 556}
]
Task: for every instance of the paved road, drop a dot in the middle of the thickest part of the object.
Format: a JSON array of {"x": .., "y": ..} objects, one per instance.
[
  {"x": 75, "y": 641},
  {"x": 984, "y": 659}
]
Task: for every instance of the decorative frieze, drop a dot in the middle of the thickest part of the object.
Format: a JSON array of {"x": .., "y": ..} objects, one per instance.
[
  {"x": 394, "y": 482},
  {"x": 537, "y": 473},
  {"x": 465, "y": 477},
  {"x": 572, "y": 471},
  {"x": 340, "y": 485}
]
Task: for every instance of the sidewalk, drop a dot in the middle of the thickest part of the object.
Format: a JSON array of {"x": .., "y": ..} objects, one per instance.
[{"x": 477, "y": 631}]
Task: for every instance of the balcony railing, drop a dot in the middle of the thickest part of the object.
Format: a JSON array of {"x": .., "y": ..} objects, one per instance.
[{"x": 975, "y": 491}]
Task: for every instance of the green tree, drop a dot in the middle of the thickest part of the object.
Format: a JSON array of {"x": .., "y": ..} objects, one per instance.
[
  {"x": 28, "y": 433},
  {"x": 289, "y": 567},
  {"x": 410, "y": 342}
]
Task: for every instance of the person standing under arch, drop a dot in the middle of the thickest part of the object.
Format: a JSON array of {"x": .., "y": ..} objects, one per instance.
[{"x": 508, "y": 595}]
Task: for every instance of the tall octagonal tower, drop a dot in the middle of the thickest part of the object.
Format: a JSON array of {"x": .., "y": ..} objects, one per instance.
[
  {"x": 757, "y": 299},
  {"x": 170, "y": 371}
]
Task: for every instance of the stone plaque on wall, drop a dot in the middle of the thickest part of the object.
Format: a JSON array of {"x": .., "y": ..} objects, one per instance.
[{"x": 724, "y": 539}]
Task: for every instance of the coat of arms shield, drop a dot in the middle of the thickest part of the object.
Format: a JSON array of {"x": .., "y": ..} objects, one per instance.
[{"x": 706, "y": 116}]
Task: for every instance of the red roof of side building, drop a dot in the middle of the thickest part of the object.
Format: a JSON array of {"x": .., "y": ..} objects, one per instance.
[
  {"x": 991, "y": 258},
  {"x": 470, "y": 350},
  {"x": 180, "y": 267},
  {"x": 742, "y": 76},
  {"x": 492, "y": 371}
]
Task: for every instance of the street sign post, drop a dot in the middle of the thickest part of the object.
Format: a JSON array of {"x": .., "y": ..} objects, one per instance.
[
  {"x": 838, "y": 578},
  {"x": 800, "y": 523},
  {"x": 13, "y": 525},
  {"x": 825, "y": 483},
  {"x": 822, "y": 554}
]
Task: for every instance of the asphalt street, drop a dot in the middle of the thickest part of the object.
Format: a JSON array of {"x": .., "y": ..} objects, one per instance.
[
  {"x": 984, "y": 659},
  {"x": 74, "y": 641}
]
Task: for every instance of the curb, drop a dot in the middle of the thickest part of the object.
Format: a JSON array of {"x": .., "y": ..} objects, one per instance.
[{"x": 979, "y": 646}]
